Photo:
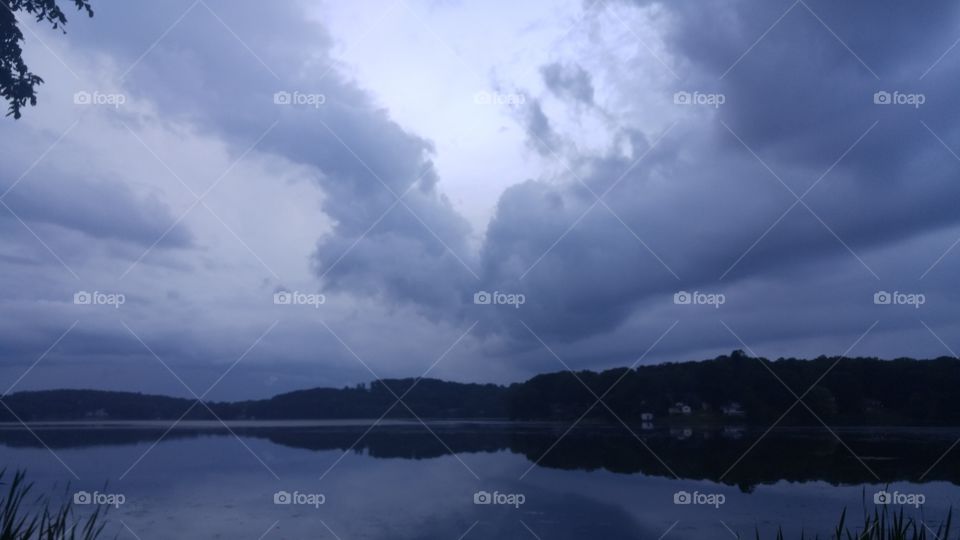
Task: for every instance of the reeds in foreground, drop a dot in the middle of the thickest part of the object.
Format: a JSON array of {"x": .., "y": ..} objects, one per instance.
[
  {"x": 23, "y": 518},
  {"x": 884, "y": 525}
]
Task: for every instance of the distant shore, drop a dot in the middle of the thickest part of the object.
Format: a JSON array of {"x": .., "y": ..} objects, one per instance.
[{"x": 728, "y": 390}]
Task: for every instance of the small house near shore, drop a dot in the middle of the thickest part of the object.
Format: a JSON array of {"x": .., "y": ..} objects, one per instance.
[
  {"x": 733, "y": 409},
  {"x": 680, "y": 408}
]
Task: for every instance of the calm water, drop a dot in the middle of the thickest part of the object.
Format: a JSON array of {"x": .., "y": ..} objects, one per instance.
[{"x": 402, "y": 481}]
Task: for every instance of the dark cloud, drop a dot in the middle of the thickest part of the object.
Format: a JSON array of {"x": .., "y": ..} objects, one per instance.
[
  {"x": 98, "y": 209},
  {"x": 685, "y": 208},
  {"x": 800, "y": 100},
  {"x": 365, "y": 161},
  {"x": 541, "y": 136},
  {"x": 568, "y": 82}
]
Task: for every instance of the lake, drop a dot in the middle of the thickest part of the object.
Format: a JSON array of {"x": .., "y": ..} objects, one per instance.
[{"x": 450, "y": 480}]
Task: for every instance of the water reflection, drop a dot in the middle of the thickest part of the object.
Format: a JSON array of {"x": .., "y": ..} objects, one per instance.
[
  {"x": 399, "y": 481},
  {"x": 853, "y": 456}
]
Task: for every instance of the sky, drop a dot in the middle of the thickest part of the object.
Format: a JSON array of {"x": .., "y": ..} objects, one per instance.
[{"x": 233, "y": 199}]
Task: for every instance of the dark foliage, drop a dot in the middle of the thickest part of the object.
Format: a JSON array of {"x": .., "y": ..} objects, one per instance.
[
  {"x": 838, "y": 391},
  {"x": 23, "y": 517},
  {"x": 17, "y": 83}
]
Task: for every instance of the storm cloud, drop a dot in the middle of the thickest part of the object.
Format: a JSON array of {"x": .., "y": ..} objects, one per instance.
[{"x": 794, "y": 158}]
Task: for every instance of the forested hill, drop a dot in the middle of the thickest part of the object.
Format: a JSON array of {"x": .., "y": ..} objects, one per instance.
[{"x": 728, "y": 389}]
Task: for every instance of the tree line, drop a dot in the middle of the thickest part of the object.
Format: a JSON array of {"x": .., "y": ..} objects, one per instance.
[{"x": 835, "y": 390}]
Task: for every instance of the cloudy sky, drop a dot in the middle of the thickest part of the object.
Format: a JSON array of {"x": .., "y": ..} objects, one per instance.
[{"x": 782, "y": 163}]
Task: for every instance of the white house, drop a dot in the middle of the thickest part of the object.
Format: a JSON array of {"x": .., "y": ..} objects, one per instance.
[
  {"x": 733, "y": 409},
  {"x": 680, "y": 408}
]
